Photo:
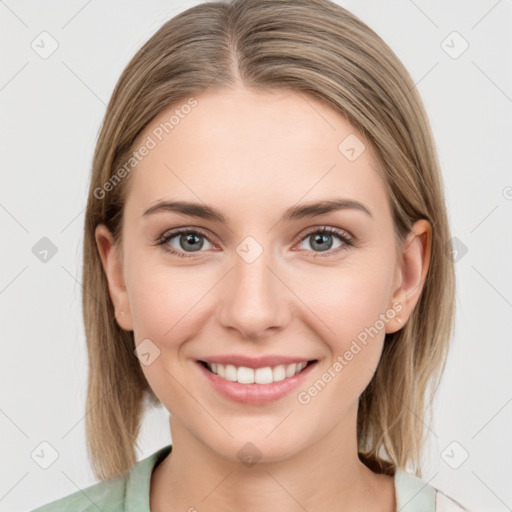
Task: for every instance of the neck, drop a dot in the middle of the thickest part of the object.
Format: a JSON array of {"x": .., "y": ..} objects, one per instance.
[{"x": 327, "y": 475}]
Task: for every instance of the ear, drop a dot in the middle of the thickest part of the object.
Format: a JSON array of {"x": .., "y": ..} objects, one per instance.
[
  {"x": 112, "y": 266},
  {"x": 412, "y": 271}
]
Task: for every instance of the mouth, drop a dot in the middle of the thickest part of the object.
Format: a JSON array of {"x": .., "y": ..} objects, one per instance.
[{"x": 264, "y": 375}]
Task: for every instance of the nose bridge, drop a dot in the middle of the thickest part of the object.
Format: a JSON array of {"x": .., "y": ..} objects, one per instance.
[{"x": 253, "y": 298}]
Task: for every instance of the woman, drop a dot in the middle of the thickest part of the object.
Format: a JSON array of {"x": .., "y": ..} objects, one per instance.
[{"x": 264, "y": 255}]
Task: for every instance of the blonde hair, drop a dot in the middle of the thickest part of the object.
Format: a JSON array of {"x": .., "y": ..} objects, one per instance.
[{"x": 318, "y": 48}]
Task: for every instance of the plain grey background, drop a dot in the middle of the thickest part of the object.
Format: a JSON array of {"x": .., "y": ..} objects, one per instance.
[{"x": 52, "y": 107}]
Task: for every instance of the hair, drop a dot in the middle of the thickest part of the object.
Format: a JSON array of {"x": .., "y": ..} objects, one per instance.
[{"x": 320, "y": 49}]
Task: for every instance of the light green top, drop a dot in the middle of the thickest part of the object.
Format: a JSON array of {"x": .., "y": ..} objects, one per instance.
[{"x": 130, "y": 493}]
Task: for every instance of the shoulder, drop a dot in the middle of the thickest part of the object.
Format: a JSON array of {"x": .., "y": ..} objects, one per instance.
[
  {"x": 105, "y": 495},
  {"x": 415, "y": 495},
  {"x": 129, "y": 490},
  {"x": 446, "y": 504}
]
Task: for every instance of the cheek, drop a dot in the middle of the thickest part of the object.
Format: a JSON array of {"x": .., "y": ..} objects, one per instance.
[
  {"x": 170, "y": 307},
  {"x": 165, "y": 301},
  {"x": 166, "y": 306},
  {"x": 348, "y": 299},
  {"x": 351, "y": 307}
]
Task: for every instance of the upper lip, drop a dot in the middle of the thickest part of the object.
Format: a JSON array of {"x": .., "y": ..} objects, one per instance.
[{"x": 255, "y": 362}]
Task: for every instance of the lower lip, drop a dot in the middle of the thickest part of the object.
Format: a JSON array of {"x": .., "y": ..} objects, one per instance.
[{"x": 255, "y": 394}]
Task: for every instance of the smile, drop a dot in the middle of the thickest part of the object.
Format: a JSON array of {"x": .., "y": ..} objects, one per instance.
[{"x": 265, "y": 375}]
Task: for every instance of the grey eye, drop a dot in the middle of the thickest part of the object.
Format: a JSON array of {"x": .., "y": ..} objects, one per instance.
[
  {"x": 321, "y": 241},
  {"x": 188, "y": 241}
]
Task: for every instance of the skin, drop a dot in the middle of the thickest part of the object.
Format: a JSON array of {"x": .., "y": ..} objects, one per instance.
[{"x": 252, "y": 155}]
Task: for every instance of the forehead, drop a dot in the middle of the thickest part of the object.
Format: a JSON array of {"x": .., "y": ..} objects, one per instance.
[{"x": 254, "y": 149}]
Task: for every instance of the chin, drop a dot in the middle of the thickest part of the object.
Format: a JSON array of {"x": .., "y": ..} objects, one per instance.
[{"x": 251, "y": 449}]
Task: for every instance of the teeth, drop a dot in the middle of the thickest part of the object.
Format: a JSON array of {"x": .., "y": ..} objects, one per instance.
[
  {"x": 290, "y": 370},
  {"x": 230, "y": 373},
  {"x": 266, "y": 375},
  {"x": 263, "y": 375},
  {"x": 279, "y": 373},
  {"x": 245, "y": 375}
]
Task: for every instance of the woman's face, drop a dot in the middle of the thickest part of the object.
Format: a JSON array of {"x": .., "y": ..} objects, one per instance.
[{"x": 252, "y": 276}]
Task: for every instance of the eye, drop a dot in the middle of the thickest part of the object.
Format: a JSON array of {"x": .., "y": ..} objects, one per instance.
[
  {"x": 320, "y": 240},
  {"x": 184, "y": 241}
]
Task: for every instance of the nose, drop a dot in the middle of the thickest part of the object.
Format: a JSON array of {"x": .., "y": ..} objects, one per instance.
[{"x": 254, "y": 299}]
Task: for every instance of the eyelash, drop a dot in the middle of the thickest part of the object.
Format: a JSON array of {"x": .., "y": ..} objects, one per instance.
[{"x": 342, "y": 235}]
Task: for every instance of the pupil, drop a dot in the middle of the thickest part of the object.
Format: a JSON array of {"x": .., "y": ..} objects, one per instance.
[
  {"x": 322, "y": 238},
  {"x": 194, "y": 241}
]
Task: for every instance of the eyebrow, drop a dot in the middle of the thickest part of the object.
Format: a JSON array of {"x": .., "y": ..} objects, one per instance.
[{"x": 297, "y": 212}]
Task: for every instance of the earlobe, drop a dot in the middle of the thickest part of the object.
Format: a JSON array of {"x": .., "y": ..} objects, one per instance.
[
  {"x": 413, "y": 271},
  {"x": 112, "y": 266}
]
